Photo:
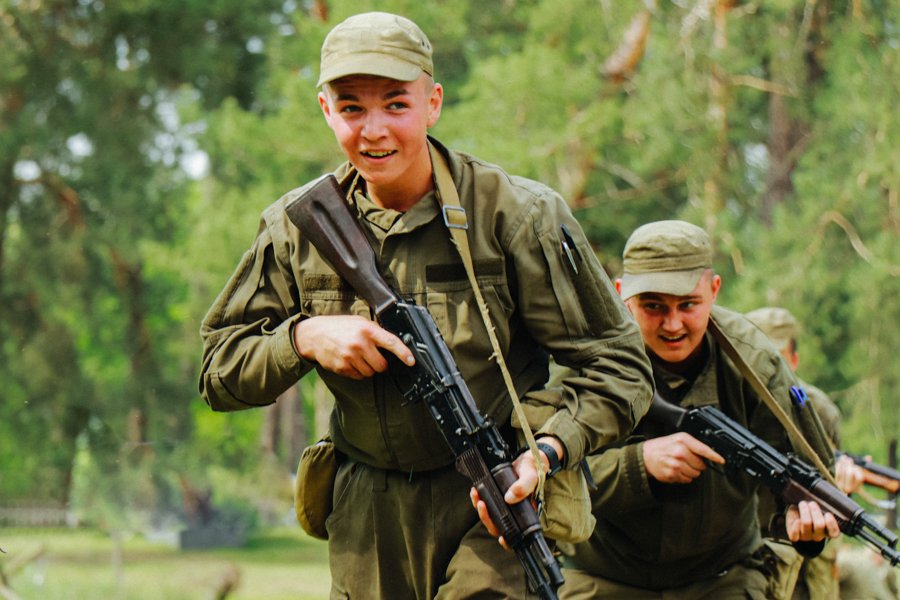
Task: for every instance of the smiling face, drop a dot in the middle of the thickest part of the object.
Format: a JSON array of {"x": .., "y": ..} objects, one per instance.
[
  {"x": 673, "y": 326},
  {"x": 381, "y": 125}
]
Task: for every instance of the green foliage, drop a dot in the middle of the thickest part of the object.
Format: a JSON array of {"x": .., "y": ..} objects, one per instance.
[
  {"x": 772, "y": 126},
  {"x": 831, "y": 254},
  {"x": 91, "y": 187}
]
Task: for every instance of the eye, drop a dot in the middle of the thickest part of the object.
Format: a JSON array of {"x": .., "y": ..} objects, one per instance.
[
  {"x": 349, "y": 108},
  {"x": 397, "y": 105}
]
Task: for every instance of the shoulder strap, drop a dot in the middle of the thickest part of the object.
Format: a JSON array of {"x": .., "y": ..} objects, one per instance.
[
  {"x": 455, "y": 219},
  {"x": 769, "y": 400}
]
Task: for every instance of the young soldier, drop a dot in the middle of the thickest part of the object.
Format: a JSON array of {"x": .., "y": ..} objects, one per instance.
[
  {"x": 818, "y": 577},
  {"x": 666, "y": 526},
  {"x": 402, "y": 525}
]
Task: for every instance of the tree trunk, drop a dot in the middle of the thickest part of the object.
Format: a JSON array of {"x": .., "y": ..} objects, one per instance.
[
  {"x": 778, "y": 178},
  {"x": 796, "y": 64},
  {"x": 785, "y": 131},
  {"x": 269, "y": 433},
  {"x": 7, "y": 196},
  {"x": 293, "y": 425},
  {"x": 718, "y": 111},
  {"x": 144, "y": 371},
  {"x": 282, "y": 435},
  {"x": 324, "y": 402}
]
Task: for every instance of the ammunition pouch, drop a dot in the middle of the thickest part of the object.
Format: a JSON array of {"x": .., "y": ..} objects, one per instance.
[
  {"x": 565, "y": 513},
  {"x": 314, "y": 487}
]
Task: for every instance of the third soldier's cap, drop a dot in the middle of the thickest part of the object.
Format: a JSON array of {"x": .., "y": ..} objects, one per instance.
[
  {"x": 666, "y": 257},
  {"x": 777, "y": 323},
  {"x": 375, "y": 43}
]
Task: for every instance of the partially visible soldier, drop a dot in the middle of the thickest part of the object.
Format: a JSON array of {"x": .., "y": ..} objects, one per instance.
[
  {"x": 865, "y": 575},
  {"x": 667, "y": 527},
  {"x": 818, "y": 577},
  {"x": 782, "y": 329}
]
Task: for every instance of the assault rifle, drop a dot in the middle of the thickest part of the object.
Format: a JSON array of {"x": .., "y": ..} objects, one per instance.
[
  {"x": 786, "y": 475},
  {"x": 481, "y": 453},
  {"x": 875, "y": 474}
]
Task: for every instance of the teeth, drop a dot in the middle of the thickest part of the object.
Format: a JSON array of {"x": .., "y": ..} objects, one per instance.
[{"x": 379, "y": 154}]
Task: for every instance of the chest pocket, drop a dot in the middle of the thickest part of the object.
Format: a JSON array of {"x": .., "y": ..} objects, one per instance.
[
  {"x": 327, "y": 294},
  {"x": 451, "y": 302}
]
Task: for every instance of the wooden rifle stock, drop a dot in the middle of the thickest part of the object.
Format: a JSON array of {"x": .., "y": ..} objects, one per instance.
[
  {"x": 339, "y": 239},
  {"x": 875, "y": 474}
]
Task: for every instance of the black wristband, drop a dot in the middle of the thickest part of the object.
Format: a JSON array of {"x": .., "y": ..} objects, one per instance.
[{"x": 552, "y": 456}]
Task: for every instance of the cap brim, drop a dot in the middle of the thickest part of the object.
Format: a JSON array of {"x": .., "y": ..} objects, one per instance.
[
  {"x": 371, "y": 63},
  {"x": 676, "y": 283}
]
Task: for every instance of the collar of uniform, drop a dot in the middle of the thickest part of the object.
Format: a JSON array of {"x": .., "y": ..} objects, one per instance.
[
  {"x": 700, "y": 390},
  {"x": 424, "y": 211},
  {"x": 382, "y": 218},
  {"x": 391, "y": 221}
]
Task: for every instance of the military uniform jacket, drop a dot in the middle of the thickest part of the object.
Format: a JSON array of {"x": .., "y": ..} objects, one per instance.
[
  {"x": 828, "y": 412},
  {"x": 659, "y": 536},
  {"x": 830, "y": 417},
  {"x": 537, "y": 302}
]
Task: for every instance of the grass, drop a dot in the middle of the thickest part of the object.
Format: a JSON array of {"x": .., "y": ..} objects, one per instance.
[{"x": 77, "y": 564}]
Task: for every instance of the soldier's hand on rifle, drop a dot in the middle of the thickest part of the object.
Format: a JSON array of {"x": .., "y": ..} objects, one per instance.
[
  {"x": 348, "y": 345},
  {"x": 522, "y": 488},
  {"x": 677, "y": 458},
  {"x": 807, "y": 522},
  {"x": 848, "y": 474}
]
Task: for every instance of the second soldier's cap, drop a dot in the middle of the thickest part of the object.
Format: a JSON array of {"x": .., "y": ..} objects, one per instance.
[
  {"x": 777, "y": 323},
  {"x": 665, "y": 257},
  {"x": 375, "y": 43}
]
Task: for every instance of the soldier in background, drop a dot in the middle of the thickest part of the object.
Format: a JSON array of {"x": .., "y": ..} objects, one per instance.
[
  {"x": 865, "y": 575},
  {"x": 666, "y": 526},
  {"x": 818, "y": 577}
]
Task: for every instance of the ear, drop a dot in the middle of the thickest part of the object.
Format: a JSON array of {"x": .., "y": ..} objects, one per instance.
[
  {"x": 435, "y": 103},
  {"x": 325, "y": 106},
  {"x": 794, "y": 361},
  {"x": 715, "y": 284}
]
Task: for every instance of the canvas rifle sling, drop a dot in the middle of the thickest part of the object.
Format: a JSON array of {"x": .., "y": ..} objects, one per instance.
[
  {"x": 769, "y": 400},
  {"x": 455, "y": 219}
]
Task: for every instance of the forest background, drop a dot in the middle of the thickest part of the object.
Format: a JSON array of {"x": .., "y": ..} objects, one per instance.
[{"x": 140, "y": 139}]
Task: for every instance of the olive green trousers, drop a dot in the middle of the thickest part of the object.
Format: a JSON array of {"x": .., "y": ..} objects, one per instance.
[
  {"x": 738, "y": 583},
  {"x": 399, "y": 535}
]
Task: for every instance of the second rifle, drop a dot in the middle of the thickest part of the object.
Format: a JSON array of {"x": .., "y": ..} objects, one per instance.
[{"x": 787, "y": 476}]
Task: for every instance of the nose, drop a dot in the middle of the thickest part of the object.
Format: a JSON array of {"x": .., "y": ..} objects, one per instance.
[
  {"x": 374, "y": 126},
  {"x": 672, "y": 321}
]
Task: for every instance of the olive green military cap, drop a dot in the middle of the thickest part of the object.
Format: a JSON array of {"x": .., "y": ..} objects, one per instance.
[
  {"x": 666, "y": 257},
  {"x": 777, "y": 323},
  {"x": 375, "y": 43}
]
